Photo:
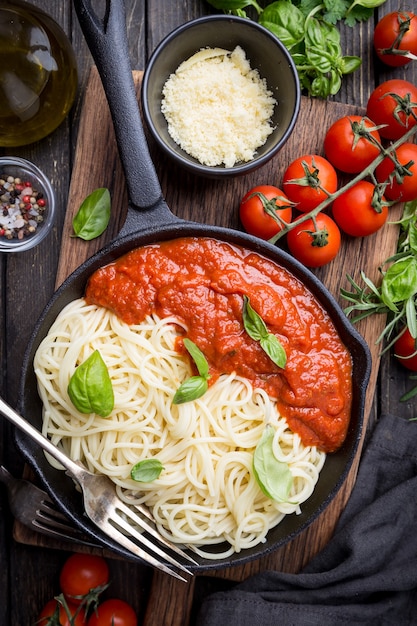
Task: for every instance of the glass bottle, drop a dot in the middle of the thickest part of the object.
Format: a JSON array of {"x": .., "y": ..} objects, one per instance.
[{"x": 38, "y": 74}]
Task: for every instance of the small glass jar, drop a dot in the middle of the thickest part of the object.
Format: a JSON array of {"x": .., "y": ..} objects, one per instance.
[
  {"x": 38, "y": 74},
  {"x": 27, "y": 205}
]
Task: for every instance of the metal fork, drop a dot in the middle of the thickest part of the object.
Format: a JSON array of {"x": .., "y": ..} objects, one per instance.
[
  {"x": 32, "y": 507},
  {"x": 107, "y": 511}
]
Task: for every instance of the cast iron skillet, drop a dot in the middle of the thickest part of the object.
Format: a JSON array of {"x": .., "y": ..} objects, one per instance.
[{"x": 149, "y": 220}]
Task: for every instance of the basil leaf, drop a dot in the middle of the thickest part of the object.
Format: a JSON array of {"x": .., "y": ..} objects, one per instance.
[
  {"x": 92, "y": 218},
  {"x": 146, "y": 470},
  {"x": 198, "y": 357},
  {"x": 285, "y": 20},
  {"x": 399, "y": 282},
  {"x": 411, "y": 316},
  {"x": 273, "y": 477},
  {"x": 335, "y": 82},
  {"x": 191, "y": 389},
  {"x": 322, "y": 45},
  {"x": 319, "y": 86},
  {"x": 409, "y": 213},
  {"x": 349, "y": 64},
  {"x": 90, "y": 388},
  {"x": 368, "y": 4},
  {"x": 257, "y": 330},
  {"x": 195, "y": 386},
  {"x": 412, "y": 237},
  {"x": 253, "y": 323},
  {"x": 274, "y": 350}
]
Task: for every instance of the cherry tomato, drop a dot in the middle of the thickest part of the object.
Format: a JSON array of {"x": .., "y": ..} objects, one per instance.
[
  {"x": 405, "y": 190},
  {"x": 253, "y": 211},
  {"x": 396, "y": 31},
  {"x": 347, "y": 146},
  {"x": 53, "y": 609},
  {"x": 404, "y": 347},
  {"x": 80, "y": 574},
  {"x": 315, "y": 244},
  {"x": 309, "y": 180},
  {"x": 113, "y": 612},
  {"x": 354, "y": 213},
  {"x": 399, "y": 113}
]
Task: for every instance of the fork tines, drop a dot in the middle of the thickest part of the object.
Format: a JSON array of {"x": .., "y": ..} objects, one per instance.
[
  {"x": 48, "y": 519},
  {"x": 121, "y": 523}
]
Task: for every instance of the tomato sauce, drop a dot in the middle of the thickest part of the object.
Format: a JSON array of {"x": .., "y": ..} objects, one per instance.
[{"x": 202, "y": 281}]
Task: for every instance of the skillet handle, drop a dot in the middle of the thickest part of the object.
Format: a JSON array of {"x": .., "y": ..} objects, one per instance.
[{"x": 107, "y": 41}]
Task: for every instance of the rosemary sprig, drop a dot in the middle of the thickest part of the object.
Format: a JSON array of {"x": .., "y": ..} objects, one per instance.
[{"x": 396, "y": 295}]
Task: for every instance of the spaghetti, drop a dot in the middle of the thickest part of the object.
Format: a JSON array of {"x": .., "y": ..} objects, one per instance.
[{"x": 206, "y": 494}]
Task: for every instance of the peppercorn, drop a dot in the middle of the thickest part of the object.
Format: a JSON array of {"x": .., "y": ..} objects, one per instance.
[{"x": 22, "y": 208}]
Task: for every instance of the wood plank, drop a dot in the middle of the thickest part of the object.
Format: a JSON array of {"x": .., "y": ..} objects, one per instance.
[
  {"x": 216, "y": 202},
  {"x": 170, "y": 601}
]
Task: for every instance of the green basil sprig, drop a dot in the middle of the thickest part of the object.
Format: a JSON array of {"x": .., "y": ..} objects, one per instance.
[
  {"x": 90, "y": 388},
  {"x": 195, "y": 386},
  {"x": 92, "y": 218},
  {"x": 146, "y": 471},
  {"x": 309, "y": 31},
  {"x": 273, "y": 476},
  {"x": 257, "y": 330},
  {"x": 314, "y": 45}
]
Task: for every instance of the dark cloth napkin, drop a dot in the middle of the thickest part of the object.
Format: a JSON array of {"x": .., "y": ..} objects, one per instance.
[{"x": 367, "y": 574}]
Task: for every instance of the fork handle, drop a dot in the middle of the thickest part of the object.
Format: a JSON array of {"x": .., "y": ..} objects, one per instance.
[{"x": 19, "y": 421}]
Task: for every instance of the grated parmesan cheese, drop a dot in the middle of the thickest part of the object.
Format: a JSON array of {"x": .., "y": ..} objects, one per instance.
[{"x": 217, "y": 108}]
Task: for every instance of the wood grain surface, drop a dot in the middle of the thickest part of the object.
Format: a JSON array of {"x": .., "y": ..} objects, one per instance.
[
  {"x": 216, "y": 202},
  {"x": 29, "y": 573}
]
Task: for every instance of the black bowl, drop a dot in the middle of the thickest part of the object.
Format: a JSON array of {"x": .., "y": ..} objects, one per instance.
[{"x": 265, "y": 53}]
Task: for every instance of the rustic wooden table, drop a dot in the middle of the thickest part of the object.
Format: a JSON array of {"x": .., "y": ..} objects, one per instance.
[{"x": 28, "y": 576}]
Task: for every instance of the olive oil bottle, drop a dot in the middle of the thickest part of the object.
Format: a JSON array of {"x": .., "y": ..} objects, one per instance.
[{"x": 38, "y": 74}]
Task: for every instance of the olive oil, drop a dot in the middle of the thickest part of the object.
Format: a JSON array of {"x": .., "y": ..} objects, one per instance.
[{"x": 38, "y": 74}]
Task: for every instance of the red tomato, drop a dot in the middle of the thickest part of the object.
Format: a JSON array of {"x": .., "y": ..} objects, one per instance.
[
  {"x": 405, "y": 347},
  {"x": 315, "y": 244},
  {"x": 354, "y": 213},
  {"x": 405, "y": 190},
  {"x": 309, "y": 180},
  {"x": 253, "y": 211},
  {"x": 80, "y": 574},
  {"x": 52, "y": 609},
  {"x": 113, "y": 612},
  {"x": 397, "y": 115},
  {"x": 396, "y": 31},
  {"x": 347, "y": 146}
]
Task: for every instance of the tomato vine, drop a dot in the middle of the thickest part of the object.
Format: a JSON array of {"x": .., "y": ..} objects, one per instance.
[
  {"x": 82, "y": 580},
  {"x": 389, "y": 151},
  {"x": 396, "y": 295}
]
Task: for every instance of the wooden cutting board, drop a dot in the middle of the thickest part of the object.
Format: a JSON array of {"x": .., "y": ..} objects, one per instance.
[{"x": 216, "y": 202}]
